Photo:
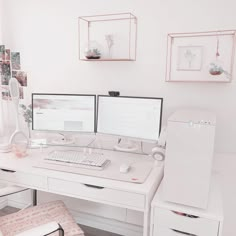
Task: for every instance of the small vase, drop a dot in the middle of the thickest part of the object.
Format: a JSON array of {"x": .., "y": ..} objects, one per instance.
[{"x": 110, "y": 53}]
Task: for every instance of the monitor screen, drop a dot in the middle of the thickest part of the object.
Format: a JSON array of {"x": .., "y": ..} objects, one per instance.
[
  {"x": 133, "y": 117},
  {"x": 64, "y": 112}
]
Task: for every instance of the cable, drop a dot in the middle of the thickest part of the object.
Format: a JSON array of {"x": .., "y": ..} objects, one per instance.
[{"x": 91, "y": 142}]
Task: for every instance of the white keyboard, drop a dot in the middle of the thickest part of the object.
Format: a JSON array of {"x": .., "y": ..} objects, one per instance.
[{"x": 77, "y": 159}]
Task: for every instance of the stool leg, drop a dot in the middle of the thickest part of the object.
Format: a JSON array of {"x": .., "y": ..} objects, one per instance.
[
  {"x": 61, "y": 231},
  {"x": 34, "y": 196}
]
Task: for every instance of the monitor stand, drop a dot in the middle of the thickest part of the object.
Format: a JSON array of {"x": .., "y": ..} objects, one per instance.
[
  {"x": 37, "y": 143},
  {"x": 126, "y": 145},
  {"x": 64, "y": 140}
]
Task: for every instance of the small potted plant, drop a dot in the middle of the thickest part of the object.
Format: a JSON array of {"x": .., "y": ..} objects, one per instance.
[
  {"x": 92, "y": 51},
  {"x": 27, "y": 114},
  {"x": 93, "y": 54},
  {"x": 215, "y": 69}
]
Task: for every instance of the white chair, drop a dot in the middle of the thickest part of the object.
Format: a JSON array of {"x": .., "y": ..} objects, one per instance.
[{"x": 46, "y": 219}]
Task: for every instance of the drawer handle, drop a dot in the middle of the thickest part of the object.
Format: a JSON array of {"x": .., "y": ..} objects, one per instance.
[
  {"x": 181, "y": 232},
  {"x": 9, "y": 171},
  {"x": 184, "y": 214},
  {"x": 93, "y": 186}
]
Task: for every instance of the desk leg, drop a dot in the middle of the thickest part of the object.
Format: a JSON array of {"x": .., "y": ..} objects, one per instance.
[
  {"x": 34, "y": 197},
  {"x": 146, "y": 223}
]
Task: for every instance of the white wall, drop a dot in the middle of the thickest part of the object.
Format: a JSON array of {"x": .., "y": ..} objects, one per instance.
[
  {"x": 46, "y": 34},
  {"x": 1, "y": 12}
]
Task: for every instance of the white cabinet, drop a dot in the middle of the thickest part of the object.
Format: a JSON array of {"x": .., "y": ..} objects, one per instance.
[{"x": 171, "y": 219}]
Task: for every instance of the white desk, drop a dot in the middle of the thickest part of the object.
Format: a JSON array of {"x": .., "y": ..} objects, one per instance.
[{"x": 115, "y": 193}]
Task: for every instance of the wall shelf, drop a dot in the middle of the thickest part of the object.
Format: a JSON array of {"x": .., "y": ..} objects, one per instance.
[
  {"x": 201, "y": 56},
  {"x": 108, "y": 59},
  {"x": 111, "y": 37}
]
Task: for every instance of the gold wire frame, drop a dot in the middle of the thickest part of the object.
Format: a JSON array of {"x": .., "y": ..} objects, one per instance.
[
  {"x": 110, "y": 17},
  {"x": 172, "y": 36}
]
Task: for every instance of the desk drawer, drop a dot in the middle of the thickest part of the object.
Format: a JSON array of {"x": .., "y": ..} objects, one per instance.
[
  {"x": 190, "y": 224},
  {"x": 104, "y": 195},
  {"x": 161, "y": 231},
  {"x": 24, "y": 179}
]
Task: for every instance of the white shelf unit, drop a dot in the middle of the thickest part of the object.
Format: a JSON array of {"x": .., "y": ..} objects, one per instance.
[{"x": 122, "y": 30}]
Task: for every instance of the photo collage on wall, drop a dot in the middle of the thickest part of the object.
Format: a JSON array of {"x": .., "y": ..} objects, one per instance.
[{"x": 10, "y": 66}]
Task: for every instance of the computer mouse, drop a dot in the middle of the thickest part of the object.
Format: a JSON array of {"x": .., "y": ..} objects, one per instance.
[{"x": 124, "y": 168}]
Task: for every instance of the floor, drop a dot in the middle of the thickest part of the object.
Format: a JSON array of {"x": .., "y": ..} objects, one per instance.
[
  {"x": 7, "y": 210},
  {"x": 95, "y": 232},
  {"x": 87, "y": 230}
]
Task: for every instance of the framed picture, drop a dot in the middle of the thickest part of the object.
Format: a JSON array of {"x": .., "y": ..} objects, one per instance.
[
  {"x": 21, "y": 76},
  {"x": 201, "y": 56},
  {"x": 15, "y": 60},
  {"x": 5, "y": 69},
  {"x": 2, "y": 50},
  {"x": 6, "y": 93},
  {"x": 189, "y": 58},
  {"x": 7, "y": 55}
]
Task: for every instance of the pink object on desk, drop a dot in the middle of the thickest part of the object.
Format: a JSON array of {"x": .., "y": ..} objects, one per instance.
[{"x": 20, "y": 149}]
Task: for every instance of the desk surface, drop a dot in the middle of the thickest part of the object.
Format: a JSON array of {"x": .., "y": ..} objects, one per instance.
[
  {"x": 140, "y": 165},
  {"x": 9, "y": 161}
]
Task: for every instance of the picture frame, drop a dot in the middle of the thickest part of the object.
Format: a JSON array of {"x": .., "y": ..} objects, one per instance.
[
  {"x": 189, "y": 58},
  {"x": 200, "y": 56},
  {"x": 2, "y": 50},
  {"x": 15, "y": 61}
]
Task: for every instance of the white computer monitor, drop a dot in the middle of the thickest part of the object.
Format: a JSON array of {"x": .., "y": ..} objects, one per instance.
[
  {"x": 64, "y": 112},
  {"x": 130, "y": 117}
]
